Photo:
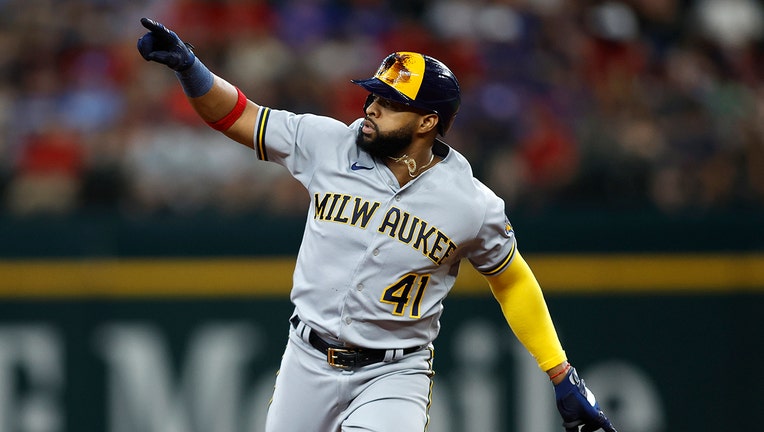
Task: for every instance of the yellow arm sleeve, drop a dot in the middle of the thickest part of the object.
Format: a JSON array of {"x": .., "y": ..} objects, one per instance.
[{"x": 525, "y": 309}]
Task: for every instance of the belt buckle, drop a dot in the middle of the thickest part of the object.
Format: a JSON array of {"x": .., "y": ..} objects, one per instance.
[{"x": 332, "y": 355}]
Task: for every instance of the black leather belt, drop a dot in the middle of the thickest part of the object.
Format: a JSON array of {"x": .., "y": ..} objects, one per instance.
[{"x": 345, "y": 357}]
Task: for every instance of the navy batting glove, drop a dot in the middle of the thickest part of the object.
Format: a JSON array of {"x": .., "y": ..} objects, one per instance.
[
  {"x": 162, "y": 45},
  {"x": 578, "y": 406}
]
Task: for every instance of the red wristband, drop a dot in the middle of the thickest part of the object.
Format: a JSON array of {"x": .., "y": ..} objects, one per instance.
[
  {"x": 564, "y": 370},
  {"x": 229, "y": 119}
]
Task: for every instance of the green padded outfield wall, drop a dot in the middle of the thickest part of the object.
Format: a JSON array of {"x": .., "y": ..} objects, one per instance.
[{"x": 109, "y": 325}]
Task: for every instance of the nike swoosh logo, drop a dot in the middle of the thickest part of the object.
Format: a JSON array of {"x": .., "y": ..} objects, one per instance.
[{"x": 356, "y": 167}]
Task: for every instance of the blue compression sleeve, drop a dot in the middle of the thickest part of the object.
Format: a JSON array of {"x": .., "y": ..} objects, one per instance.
[{"x": 196, "y": 80}]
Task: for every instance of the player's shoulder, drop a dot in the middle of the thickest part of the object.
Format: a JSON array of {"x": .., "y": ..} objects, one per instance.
[
  {"x": 461, "y": 173},
  {"x": 308, "y": 124}
]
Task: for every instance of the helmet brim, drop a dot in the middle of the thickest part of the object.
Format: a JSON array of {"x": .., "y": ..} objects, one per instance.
[{"x": 379, "y": 88}]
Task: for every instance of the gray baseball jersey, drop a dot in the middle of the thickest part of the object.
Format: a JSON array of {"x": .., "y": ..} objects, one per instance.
[{"x": 377, "y": 259}]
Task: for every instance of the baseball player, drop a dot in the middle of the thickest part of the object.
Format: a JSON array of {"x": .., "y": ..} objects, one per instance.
[{"x": 394, "y": 211}]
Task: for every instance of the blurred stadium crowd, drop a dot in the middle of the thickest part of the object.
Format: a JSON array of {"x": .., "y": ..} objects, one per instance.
[{"x": 585, "y": 104}]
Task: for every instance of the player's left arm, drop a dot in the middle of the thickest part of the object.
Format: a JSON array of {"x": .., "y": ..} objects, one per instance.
[{"x": 522, "y": 302}]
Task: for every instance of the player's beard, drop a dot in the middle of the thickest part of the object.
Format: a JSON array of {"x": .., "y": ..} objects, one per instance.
[{"x": 388, "y": 144}]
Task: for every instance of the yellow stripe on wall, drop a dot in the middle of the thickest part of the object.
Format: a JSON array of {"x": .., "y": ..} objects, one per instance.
[
  {"x": 263, "y": 277},
  {"x": 146, "y": 278},
  {"x": 658, "y": 273}
]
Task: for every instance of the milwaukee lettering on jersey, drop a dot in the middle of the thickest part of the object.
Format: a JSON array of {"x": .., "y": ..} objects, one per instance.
[
  {"x": 415, "y": 232},
  {"x": 334, "y": 207}
]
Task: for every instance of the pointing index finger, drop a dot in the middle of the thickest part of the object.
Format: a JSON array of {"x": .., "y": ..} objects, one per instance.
[{"x": 151, "y": 24}]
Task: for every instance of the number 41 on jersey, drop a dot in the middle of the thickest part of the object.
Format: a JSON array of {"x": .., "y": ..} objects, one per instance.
[{"x": 400, "y": 293}]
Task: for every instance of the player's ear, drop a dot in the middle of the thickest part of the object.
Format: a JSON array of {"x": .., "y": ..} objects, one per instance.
[{"x": 428, "y": 123}]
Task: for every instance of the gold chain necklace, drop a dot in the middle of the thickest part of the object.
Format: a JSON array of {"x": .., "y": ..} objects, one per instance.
[{"x": 411, "y": 164}]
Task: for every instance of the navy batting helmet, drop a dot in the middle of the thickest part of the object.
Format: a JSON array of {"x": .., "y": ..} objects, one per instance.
[{"x": 419, "y": 81}]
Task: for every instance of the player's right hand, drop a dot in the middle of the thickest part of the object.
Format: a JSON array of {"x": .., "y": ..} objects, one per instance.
[
  {"x": 162, "y": 45},
  {"x": 579, "y": 407}
]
